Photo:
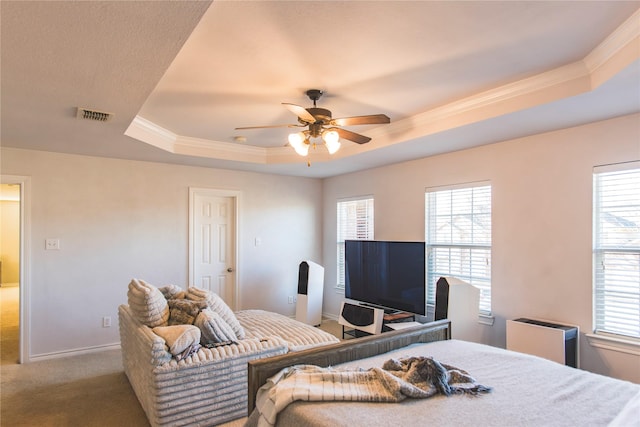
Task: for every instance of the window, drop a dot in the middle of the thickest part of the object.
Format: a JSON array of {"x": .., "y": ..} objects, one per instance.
[
  {"x": 355, "y": 222},
  {"x": 616, "y": 254},
  {"x": 458, "y": 237}
]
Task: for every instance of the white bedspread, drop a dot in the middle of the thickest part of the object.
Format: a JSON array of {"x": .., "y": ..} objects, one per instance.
[
  {"x": 395, "y": 381},
  {"x": 527, "y": 391}
]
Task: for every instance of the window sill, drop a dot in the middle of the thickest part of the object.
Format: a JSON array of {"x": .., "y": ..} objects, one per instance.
[{"x": 609, "y": 342}]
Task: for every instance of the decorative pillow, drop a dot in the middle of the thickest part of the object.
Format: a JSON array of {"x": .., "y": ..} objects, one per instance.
[
  {"x": 213, "y": 328},
  {"x": 172, "y": 292},
  {"x": 218, "y": 305},
  {"x": 178, "y": 337},
  {"x": 147, "y": 303},
  {"x": 184, "y": 311}
]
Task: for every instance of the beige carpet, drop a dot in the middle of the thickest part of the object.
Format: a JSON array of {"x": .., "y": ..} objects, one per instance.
[
  {"x": 9, "y": 327},
  {"x": 86, "y": 390}
]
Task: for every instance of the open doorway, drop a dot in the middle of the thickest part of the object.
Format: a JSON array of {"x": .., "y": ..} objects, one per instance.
[
  {"x": 10, "y": 226},
  {"x": 15, "y": 305}
]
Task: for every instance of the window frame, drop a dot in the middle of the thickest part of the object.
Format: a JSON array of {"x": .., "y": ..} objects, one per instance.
[
  {"x": 369, "y": 231},
  {"x": 604, "y": 285},
  {"x": 473, "y": 247}
]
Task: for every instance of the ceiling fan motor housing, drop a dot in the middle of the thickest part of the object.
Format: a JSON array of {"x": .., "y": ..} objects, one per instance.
[
  {"x": 315, "y": 129},
  {"x": 321, "y": 115}
]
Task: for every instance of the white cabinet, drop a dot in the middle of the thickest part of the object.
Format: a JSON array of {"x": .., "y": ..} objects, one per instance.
[{"x": 550, "y": 340}]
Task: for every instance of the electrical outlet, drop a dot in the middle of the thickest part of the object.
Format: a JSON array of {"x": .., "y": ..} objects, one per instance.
[
  {"x": 295, "y": 298},
  {"x": 290, "y": 299},
  {"x": 106, "y": 322}
]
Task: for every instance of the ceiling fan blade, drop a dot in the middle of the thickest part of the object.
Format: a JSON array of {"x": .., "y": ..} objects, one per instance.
[
  {"x": 374, "y": 119},
  {"x": 301, "y": 112},
  {"x": 352, "y": 136},
  {"x": 268, "y": 127}
]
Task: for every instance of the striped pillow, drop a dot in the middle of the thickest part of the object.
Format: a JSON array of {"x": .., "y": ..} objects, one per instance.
[
  {"x": 147, "y": 303},
  {"x": 218, "y": 305},
  {"x": 213, "y": 328}
]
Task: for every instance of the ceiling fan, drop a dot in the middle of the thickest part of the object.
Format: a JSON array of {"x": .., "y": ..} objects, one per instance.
[{"x": 319, "y": 123}]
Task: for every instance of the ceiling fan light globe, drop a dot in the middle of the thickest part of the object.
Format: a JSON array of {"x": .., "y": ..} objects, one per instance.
[
  {"x": 332, "y": 146},
  {"x": 297, "y": 141},
  {"x": 302, "y": 150},
  {"x": 330, "y": 136},
  {"x": 296, "y": 138}
]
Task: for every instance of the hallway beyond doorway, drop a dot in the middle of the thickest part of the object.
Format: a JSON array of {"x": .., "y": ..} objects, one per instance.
[{"x": 9, "y": 325}]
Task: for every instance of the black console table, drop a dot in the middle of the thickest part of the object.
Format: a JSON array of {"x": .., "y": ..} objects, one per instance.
[{"x": 387, "y": 318}]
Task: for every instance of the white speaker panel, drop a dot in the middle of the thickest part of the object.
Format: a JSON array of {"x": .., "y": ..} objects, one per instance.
[
  {"x": 463, "y": 309},
  {"x": 309, "y": 305},
  {"x": 376, "y": 315}
]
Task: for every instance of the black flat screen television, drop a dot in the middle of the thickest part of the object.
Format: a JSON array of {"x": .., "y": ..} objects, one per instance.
[{"x": 386, "y": 274}]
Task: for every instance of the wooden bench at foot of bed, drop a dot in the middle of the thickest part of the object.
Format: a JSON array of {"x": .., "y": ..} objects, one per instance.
[{"x": 261, "y": 370}]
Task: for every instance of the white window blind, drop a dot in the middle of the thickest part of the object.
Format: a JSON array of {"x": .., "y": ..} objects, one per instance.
[
  {"x": 617, "y": 249},
  {"x": 355, "y": 222},
  {"x": 458, "y": 237}
]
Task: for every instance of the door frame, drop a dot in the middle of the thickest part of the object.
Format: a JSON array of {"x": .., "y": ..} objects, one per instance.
[
  {"x": 213, "y": 192},
  {"x": 24, "y": 261}
]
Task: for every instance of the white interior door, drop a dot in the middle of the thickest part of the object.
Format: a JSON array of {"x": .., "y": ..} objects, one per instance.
[{"x": 213, "y": 237}]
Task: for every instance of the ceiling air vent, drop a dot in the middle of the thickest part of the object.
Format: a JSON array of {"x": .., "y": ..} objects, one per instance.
[{"x": 98, "y": 116}]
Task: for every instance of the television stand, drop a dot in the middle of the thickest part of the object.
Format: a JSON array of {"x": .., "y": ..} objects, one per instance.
[
  {"x": 397, "y": 315},
  {"x": 377, "y": 307},
  {"x": 390, "y": 311}
]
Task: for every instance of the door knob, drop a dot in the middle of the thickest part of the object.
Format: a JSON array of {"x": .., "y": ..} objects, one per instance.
[{"x": 230, "y": 270}]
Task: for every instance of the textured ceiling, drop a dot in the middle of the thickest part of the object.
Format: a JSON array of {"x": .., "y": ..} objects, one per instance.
[{"x": 181, "y": 76}]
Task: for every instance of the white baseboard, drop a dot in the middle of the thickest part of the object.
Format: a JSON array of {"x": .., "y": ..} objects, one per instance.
[
  {"x": 329, "y": 316},
  {"x": 74, "y": 352}
]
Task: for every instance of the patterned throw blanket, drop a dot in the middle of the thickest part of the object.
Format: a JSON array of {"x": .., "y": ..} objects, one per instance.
[{"x": 416, "y": 377}]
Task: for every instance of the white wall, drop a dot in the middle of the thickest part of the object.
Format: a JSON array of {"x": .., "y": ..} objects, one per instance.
[
  {"x": 541, "y": 221},
  {"x": 119, "y": 219}
]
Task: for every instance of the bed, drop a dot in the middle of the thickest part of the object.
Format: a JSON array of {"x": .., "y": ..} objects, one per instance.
[{"x": 526, "y": 390}]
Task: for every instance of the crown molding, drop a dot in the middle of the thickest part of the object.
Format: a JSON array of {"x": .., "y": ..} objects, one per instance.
[
  {"x": 555, "y": 84},
  {"x": 611, "y": 56},
  {"x": 508, "y": 92},
  {"x": 220, "y": 150},
  {"x": 625, "y": 34},
  {"x": 148, "y": 132},
  {"x": 152, "y": 134}
]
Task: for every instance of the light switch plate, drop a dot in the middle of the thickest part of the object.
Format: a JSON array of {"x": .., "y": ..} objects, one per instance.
[{"x": 52, "y": 244}]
